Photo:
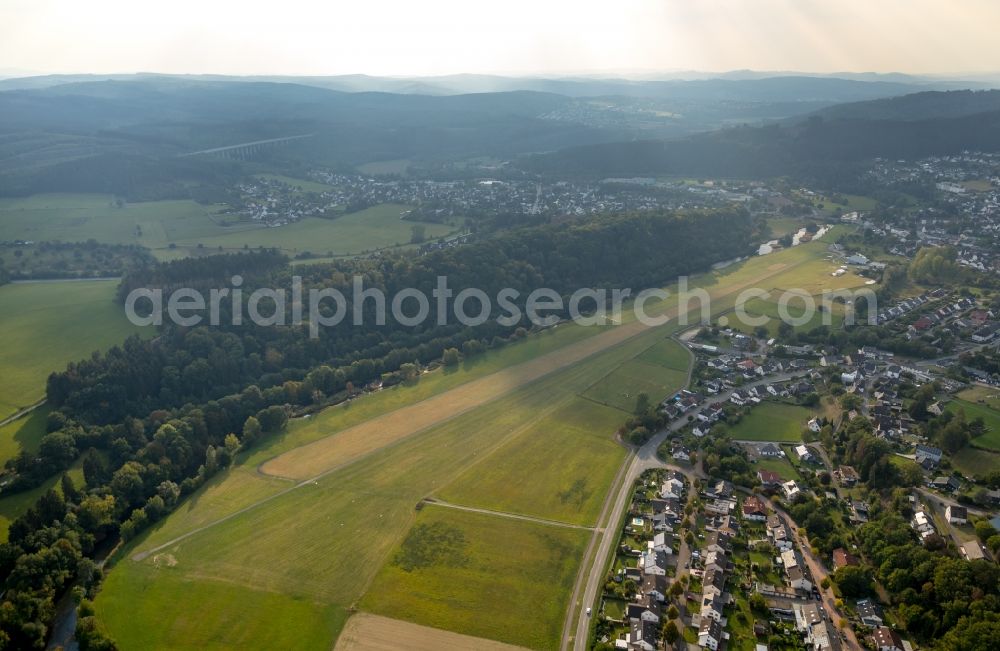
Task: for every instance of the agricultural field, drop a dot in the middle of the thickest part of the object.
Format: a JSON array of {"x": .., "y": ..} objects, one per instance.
[
  {"x": 485, "y": 575},
  {"x": 854, "y": 202},
  {"x": 989, "y": 440},
  {"x": 348, "y": 522},
  {"x": 772, "y": 421},
  {"x": 149, "y": 591},
  {"x": 374, "y": 228},
  {"x": 620, "y": 388},
  {"x": 755, "y": 308},
  {"x": 668, "y": 354},
  {"x": 658, "y": 372},
  {"x": 978, "y": 185},
  {"x": 989, "y": 396},
  {"x": 367, "y": 632},
  {"x": 521, "y": 477},
  {"x": 974, "y": 462},
  {"x": 180, "y": 228},
  {"x": 33, "y": 330},
  {"x": 781, "y": 226}
]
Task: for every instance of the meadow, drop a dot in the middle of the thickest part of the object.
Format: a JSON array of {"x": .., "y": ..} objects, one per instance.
[
  {"x": 13, "y": 506},
  {"x": 521, "y": 477},
  {"x": 326, "y": 540},
  {"x": 782, "y": 467},
  {"x": 757, "y": 307},
  {"x": 179, "y": 228},
  {"x": 974, "y": 462},
  {"x": 341, "y": 526},
  {"x": 367, "y": 230},
  {"x": 991, "y": 417},
  {"x": 658, "y": 372},
  {"x": 147, "y": 592},
  {"x": 494, "y": 578},
  {"x": 25, "y": 433},
  {"x": 772, "y": 421},
  {"x": 33, "y": 330}
]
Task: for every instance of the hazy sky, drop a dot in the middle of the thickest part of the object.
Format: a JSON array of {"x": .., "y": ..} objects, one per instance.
[{"x": 429, "y": 37}]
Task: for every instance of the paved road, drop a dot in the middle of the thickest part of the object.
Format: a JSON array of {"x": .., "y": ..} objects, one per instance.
[
  {"x": 819, "y": 572},
  {"x": 644, "y": 459}
]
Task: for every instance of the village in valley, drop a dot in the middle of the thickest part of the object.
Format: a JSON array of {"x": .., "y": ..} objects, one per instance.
[{"x": 783, "y": 463}]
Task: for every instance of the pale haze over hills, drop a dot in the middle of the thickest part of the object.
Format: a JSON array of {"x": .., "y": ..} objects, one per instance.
[{"x": 390, "y": 37}]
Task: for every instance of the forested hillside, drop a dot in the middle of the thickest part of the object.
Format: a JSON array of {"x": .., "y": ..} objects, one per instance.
[{"x": 812, "y": 148}]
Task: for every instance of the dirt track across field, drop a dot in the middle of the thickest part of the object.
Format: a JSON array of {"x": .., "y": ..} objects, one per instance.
[
  {"x": 354, "y": 442},
  {"x": 365, "y": 632},
  {"x": 343, "y": 447}
]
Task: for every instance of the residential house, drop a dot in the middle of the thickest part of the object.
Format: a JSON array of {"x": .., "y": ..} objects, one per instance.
[
  {"x": 754, "y": 508},
  {"x": 973, "y": 551},
  {"x": 843, "y": 558},
  {"x": 847, "y": 476},
  {"x": 654, "y": 562},
  {"x": 886, "y": 639},
  {"x": 769, "y": 450},
  {"x": 869, "y": 613},
  {"x": 642, "y": 635},
  {"x": 713, "y": 583},
  {"x": 790, "y": 489},
  {"x": 927, "y": 453},
  {"x": 859, "y": 511},
  {"x": 681, "y": 454},
  {"x": 710, "y": 634},
  {"x": 948, "y": 484},
  {"x": 768, "y": 478},
  {"x": 804, "y": 453},
  {"x": 712, "y": 607},
  {"x": 956, "y": 514}
]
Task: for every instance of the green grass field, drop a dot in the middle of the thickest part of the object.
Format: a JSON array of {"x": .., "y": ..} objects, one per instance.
[
  {"x": 179, "y": 228},
  {"x": 246, "y": 621},
  {"x": 33, "y": 328},
  {"x": 375, "y": 228},
  {"x": 772, "y": 421},
  {"x": 620, "y": 388},
  {"x": 668, "y": 354},
  {"x": 524, "y": 477},
  {"x": 780, "y": 466},
  {"x": 854, "y": 202},
  {"x": 484, "y": 575},
  {"x": 80, "y": 217},
  {"x": 832, "y": 316},
  {"x": 989, "y": 440},
  {"x": 973, "y": 462},
  {"x": 326, "y": 541},
  {"x": 22, "y": 434},
  {"x": 659, "y": 371},
  {"x": 12, "y": 506},
  {"x": 343, "y": 525},
  {"x": 988, "y": 396},
  {"x": 781, "y": 226}
]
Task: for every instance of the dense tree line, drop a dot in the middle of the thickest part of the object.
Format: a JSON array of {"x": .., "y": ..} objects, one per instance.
[{"x": 942, "y": 600}]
